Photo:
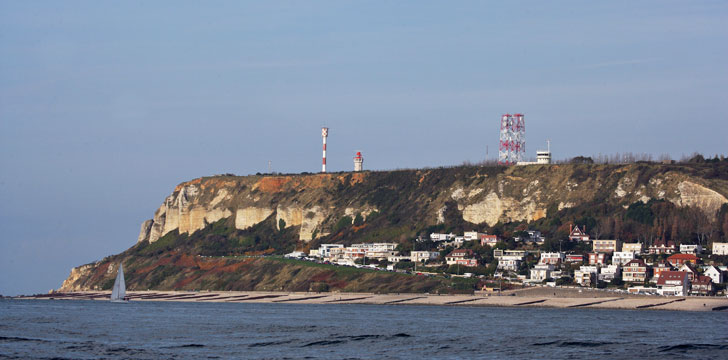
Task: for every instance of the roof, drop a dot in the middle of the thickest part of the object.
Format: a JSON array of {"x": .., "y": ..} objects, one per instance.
[
  {"x": 635, "y": 262},
  {"x": 461, "y": 252},
  {"x": 684, "y": 257},
  {"x": 702, "y": 280},
  {"x": 665, "y": 276},
  {"x": 663, "y": 244}
]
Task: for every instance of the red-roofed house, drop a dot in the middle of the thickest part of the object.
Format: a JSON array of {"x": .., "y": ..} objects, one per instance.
[
  {"x": 674, "y": 283},
  {"x": 661, "y": 267},
  {"x": 702, "y": 285},
  {"x": 679, "y": 259},
  {"x": 577, "y": 234}
]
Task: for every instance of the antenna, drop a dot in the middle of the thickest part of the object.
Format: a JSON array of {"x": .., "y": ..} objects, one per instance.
[
  {"x": 269, "y": 166},
  {"x": 324, "y": 135}
]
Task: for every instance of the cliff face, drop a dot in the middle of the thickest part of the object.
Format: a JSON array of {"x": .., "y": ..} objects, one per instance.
[
  {"x": 315, "y": 202},
  {"x": 230, "y": 215}
]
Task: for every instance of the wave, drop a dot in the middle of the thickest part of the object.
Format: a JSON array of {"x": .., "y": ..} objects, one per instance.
[
  {"x": 19, "y": 339},
  {"x": 347, "y": 338},
  {"x": 574, "y": 343},
  {"x": 270, "y": 343},
  {"x": 687, "y": 347}
]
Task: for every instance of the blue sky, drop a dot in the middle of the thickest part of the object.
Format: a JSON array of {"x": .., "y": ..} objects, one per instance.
[{"x": 106, "y": 106}]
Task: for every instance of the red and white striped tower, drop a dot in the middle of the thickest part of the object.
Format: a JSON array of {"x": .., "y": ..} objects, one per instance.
[{"x": 324, "y": 135}]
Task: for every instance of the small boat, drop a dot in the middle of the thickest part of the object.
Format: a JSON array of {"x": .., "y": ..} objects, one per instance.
[{"x": 118, "y": 293}]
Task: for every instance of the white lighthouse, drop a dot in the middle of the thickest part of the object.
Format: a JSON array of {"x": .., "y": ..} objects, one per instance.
[
  {"x": 358, "y": 161},
  {"x": 324, "y": 135}
]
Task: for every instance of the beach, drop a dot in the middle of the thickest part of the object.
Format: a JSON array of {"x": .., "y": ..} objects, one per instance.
[{"x": 528, "y": 297}]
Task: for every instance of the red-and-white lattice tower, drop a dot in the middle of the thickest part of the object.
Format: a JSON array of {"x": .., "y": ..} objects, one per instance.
[
  {"x": 324, "y": 135},
  {"x": 512, "y": 139}
]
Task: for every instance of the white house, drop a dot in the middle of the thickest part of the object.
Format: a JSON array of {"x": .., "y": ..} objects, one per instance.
[
  {"x": 622, "y": 257},
  {"x": 324, "y": 250},
  {"x": 542, "y": 272},
  {"x": 720, "y": 248},
  {"x": 424, "y": 255},
  {"x": 442, "y": 237},
  {"x": 472, "y": 235},
  {"x": 551, "y": 258},
  {"x": 714, "y": 273},
  {"x": 610, "y": 272},
  {"x": 691, "y": 249},
  {"x": 673, "y": 283},
  {"x": 510, "y": 262}
]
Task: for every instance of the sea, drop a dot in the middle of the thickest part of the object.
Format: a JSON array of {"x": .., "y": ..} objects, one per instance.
[{"x": 75, "y": 329}]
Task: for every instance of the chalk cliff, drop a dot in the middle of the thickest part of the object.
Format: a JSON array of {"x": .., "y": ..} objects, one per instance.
[{"x": 315, "y": 202}]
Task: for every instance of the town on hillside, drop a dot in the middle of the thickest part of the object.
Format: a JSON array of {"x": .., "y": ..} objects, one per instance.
[{"x": 662, "y": 268}]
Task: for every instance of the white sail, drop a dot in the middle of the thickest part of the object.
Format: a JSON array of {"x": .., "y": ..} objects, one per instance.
[{"x": 119, "y": 291}]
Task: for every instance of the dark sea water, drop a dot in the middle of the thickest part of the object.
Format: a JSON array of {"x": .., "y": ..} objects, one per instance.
[{"x": 41, "y": 329}]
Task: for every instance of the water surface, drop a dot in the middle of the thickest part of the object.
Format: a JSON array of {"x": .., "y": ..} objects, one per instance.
[{"x": 45, "y": 329}]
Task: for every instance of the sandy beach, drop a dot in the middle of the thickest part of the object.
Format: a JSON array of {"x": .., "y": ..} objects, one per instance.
[{"x": 528, "y": 297}]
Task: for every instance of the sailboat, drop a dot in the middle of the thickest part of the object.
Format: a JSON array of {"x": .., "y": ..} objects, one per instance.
[{"x": 118, "y": 293}]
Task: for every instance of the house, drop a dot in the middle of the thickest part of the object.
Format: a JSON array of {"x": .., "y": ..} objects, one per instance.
[
  {"x": 397, "y": 258},
  {"x": 662, "y": 247},
  {"x": 633, "y": 247},
  {"x": 574, "y": 258},
  {"x": 610, "y": 272},
  {"x": 463, "y": 257},
  {"x": 471, "y": 235},
  {"x": 659, "y": 268},
  {"x": 720, "y": 248},
  {"x": 533, "y": 237},
  {"x": 714, "y": 273},
  {"x": 424, "y": 255},
  {"x": 690, "y": 269},
  {"x": 598, "y": 258},
  {"x": 542, "y": 272},
  {"x": 702, "y": 285},
  {"x": 442, "y": 237},
  {"x": 673, "y": 283},
  {"x": 551, "y": 258},
  {"x": 605, "y": 246},
  {"x": 622, "y": 257},
  {"x": 489, "y": 240},
  {"x": 635, "y": 271},
  {"x": 584, "y": 278},
  {"x": 691, "y": 249},
  {"x": 641, "y": 290},
  {"x": 575, "y": 233},
  {"x": 324, "y": 250},
  {"x": 679, "y": 259}
]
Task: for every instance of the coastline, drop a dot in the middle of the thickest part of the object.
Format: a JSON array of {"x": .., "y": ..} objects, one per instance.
[{"x": 535, "y": 297}]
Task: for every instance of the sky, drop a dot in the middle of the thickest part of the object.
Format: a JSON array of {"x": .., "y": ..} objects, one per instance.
[{"x": 106, "y": 106}]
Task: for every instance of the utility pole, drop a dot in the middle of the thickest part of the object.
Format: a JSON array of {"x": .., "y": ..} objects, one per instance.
[{"x": 269, "y": 166}]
